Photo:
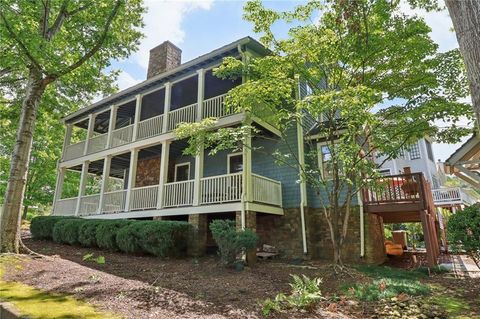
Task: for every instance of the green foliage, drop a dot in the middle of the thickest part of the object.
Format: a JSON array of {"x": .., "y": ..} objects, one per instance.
[
  {"x": 41, "y": 227},
  {"x": 463, "y": 231},
  {"x": 379, "y": 272},
  {"x": 87, "y": 233},
  {"x": 305, "y": 292},
  {"x": 99, "y": 260},
  {"x": 66, "y": 231},
  {"x": 387, "y": 288},
  {"x": 230, "y": 241},
  {"x": 107, "y": 233}
]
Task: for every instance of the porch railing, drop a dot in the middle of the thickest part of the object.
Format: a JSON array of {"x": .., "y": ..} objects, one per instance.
[
  {"x": 74, "y": 150},
  {"x": 144, "y": 197},
  {"x": 150, "y": 127},
  {"x": 266, "y": 190},
  {"x": 396, "y": 188},
  {"x": 451, "y": 195},
  {"x": 114, "y": 201},
  {"x": 215, "y": 107},
  {"x": 89, "y": 204},
  {"x": 186, "y": 114},
  {"x": 97, "y": 143},
  {"x": 66, "y": 206},
  {"x": 178, "y": 194},
  {"x": 221, "y": 189},
  {"x": 122, "y": 135}
]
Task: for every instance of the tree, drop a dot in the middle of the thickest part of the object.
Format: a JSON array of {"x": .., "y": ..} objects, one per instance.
[
  {"x": 463, "y": 231},
  {"x": 61, "y": 46},
  {"x": 375, "y": 84}
]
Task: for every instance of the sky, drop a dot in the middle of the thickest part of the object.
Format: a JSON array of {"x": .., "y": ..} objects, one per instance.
[{"x": 200, "y": 26}]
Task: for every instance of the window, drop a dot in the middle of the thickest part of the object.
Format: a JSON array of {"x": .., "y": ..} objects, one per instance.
[
  {"x": 235, "y": 163},
  {"x": 182, "y": 172},
  {"x": 385, "y": 172},
  {"x": 429, "y": 151},
  {"x": 414, "y": 151},
  {"x": 325, "y": 161}
]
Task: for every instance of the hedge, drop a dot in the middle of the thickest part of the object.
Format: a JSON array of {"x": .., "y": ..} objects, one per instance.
[
  {"x": 106, "y": 234},
  {"x": 66, "y": 231},
  {"x": 88, "y": 231},
  {"x": 41, "y": 227}
]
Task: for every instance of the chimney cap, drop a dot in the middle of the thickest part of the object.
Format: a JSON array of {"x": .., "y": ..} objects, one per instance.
[{"x": 165, "y": 43}]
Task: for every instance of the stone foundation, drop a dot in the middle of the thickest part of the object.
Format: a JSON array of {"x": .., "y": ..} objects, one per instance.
[
  {"x": 250, "y": 223},
  {"x": 198, "y": 242}
]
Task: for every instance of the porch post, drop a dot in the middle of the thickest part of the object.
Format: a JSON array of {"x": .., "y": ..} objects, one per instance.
[
  {"x": 166, "y": 107},
  {"x": 247, "y": 168},
  {"x": 59, "y": 186},
  {"x": 83, "y": 184},
  {"x": 200, "y": 94},
  {"x": 111, "y": 124},
  {"x": 68, "y": 136},
  {"x": 198, "y": 176},
  {"x": 91, "y": 125},
  {"x": 105, "y": 178},
  {"x": 138, "y": 112},
  {"x": 132, "y": 174},
  {"x": 163, "y": 173}
]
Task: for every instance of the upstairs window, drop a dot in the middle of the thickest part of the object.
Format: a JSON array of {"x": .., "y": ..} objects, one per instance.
[
  {"x": 325, "y": 161},
  {"x": 182, "y": 172},
  {"x": 414, "y": 151},
  {"x": 429, "y": 151}
]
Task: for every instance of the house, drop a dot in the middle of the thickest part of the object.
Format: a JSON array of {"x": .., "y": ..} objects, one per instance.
[{"x": 125, "y": 143}]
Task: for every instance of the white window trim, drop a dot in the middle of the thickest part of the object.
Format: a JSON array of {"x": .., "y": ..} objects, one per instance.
[
  {"x": 389, "y": 170},
  {"x": 319, "y": 157},
  {"x": 181, "y": 164},
  {"x": 228, "y": 160}
]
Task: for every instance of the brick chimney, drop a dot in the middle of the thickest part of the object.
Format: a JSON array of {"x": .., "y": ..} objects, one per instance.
[{"x": 164, "y": 57}]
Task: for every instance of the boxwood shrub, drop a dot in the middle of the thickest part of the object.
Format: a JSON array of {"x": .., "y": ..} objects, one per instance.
[
  {"x": 106, "y": 233},
  {"x": 88, "y": 231},
  {"x": 41, "y": 227},
  {"x": 66, "y": 231}
]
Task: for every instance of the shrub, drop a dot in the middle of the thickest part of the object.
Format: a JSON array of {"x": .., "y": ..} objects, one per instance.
[
  {"x": 66, "y": 231},
  {"x": 106, "y": 233},
  {"x": 230, "y": 241},
  {"x": 463, "y": 231},
  {"x": 41, "y": 227},
  {"x": 127, "y": 238},
  {"x": 87, "y": 232}
]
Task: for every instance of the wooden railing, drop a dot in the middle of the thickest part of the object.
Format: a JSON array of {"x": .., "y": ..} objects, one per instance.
[
  {"x": 266, "y": 190},
  {"x": 97, "y": 143},
  {"x": 396, "y": 189},
  {"x": 186, "y": 114},
  {"x": 74, "y": 150},
  {"x": 66, "y": 206},
  {"x": 122, "y": 135},
  {"x": 114, "y": 201},
  {"x": 215, "y": 107},
  {"x": 178, "y": 194},
  {"x": 451, "y": 196},
  {"x": 150, "y": 127},
  {"x": 221, "y": 189},
  {"x": 89, "y": 204},
  {"x": 144, "y": 197}
]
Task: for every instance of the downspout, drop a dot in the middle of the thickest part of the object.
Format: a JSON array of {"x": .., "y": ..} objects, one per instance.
[
  {"x": 244, "y": 201},
  {"x": 362, "y": 226}
]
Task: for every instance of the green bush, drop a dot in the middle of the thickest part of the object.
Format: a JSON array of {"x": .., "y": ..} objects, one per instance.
[
  {"x": 463, "y": 231},
  {"x": 127, "y": 238},
  {"x": 106, "y": 233},
  {"x": 87, "y": 232},
  {"x": 41, "y": 227},
  {"x": 230, "y": 241},
  {"x": 66, "y": 231}
]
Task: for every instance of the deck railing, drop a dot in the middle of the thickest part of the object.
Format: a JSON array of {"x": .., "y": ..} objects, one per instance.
[
  {"x": 144, "y": 197},
  {"x": 74, "y": 150},
  {"x": 114, "y": 201},
  {"x": 266, "y": 190},
  {"x": 215, "y": 107},
  {"x": 221, "y": 189},
  {"x": 396, "y": 189},
  {"x": 186, "y": 114},
  {"x": 451, "y": 196},
  {"x": 122, "y": 135},
  {"x": 89, "y": 204},
  {"x": 178, "y": 194},
  {"x": 150, "y": 127},
  {"x": 97, "y": 143},
  {"x": 66, "y": 206}
]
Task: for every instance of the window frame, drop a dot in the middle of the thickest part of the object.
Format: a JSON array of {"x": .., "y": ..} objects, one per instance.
[
  {"x": 228, "y": 161},
  {"x": 416, "y": 149},
  {"x": 179, "y": 165},
  {"x": 320, "y": 159}
]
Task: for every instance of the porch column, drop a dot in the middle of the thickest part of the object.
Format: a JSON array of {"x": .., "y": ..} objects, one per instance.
[
  {"x": 91, "y": 125},
  {"x": 198, "y": 176},
  {"x": 163, "y": 173},
  {"x": 83, "y": 184},
  {"x": 59, "y": 186},
  {"x": 247, "y": 168},
  {"x": 68, "y": 136},
  {"x": 111, "y": 124},
  {"x": 105, "y": 178},
  {"x": 132, "y": 174},
  {"x": 197, "y": 244},
  {"x": 166, "y": 108},
  {"x": 200, "y": 94},
  {"x": 138, "y": 111},
  {"x": 250, "y": 223}
]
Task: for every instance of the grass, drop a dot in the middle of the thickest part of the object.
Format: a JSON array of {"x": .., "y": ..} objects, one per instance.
[
  {"x": 455, "y": 307},
  {"x": 36, "y": 303}
]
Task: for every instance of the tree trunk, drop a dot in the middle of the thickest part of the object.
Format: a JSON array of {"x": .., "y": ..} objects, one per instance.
[
  {"x": 465, "y": 15},
  {"x": 25, "y": 212},
  {"x": 11, "y": 217}
]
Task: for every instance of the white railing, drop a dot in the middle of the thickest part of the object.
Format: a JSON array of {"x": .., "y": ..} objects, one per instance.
[
  {"x": 150, "y": 127},
  {"x": 178, "y": 194},
  {"x": 186, "y": 114},
  {"x": 452, "y": 195},
  {"x": 266, "y": 190},
  {"x": 65, "y": 206},
  {"x": 74, "y": 150},
  {"x": 122, "y": 135},
  {"x": 97, "y": 143},
  {"x": 144, "y": 197},
  {"x": 215, "y": 107},
  {"x": 89, "y": 204},
  {"x": 114, "y": 201},
  {"x": 221, "y": 189}
]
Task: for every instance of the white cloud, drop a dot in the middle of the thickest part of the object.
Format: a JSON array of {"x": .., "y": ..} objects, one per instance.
[
  {"x": 125, "y": 80},
  {"x": 163, "y": 21}
]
